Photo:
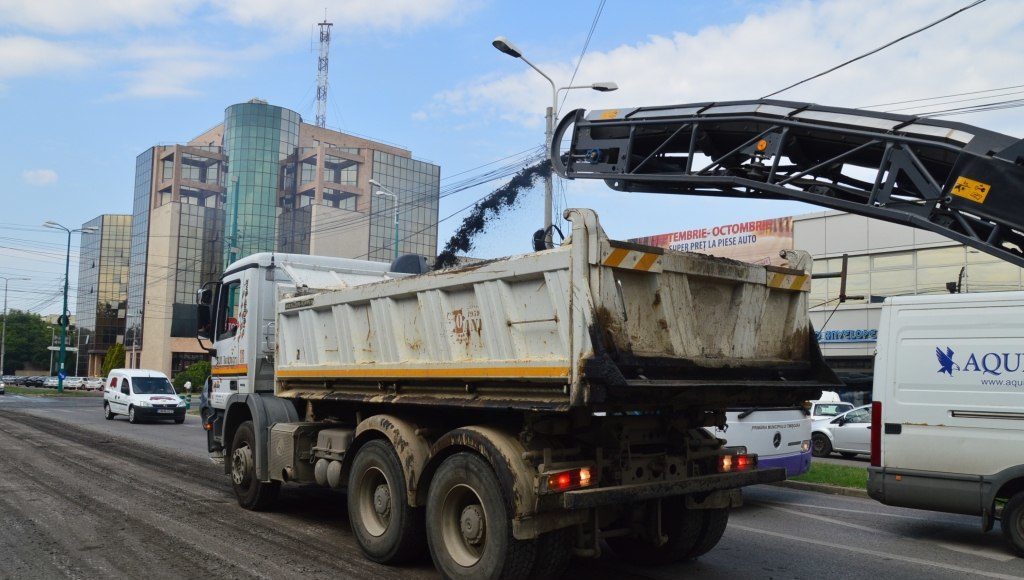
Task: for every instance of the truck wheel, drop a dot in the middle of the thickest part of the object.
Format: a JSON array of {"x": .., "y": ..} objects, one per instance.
[
  {"x": 715, "y": 522},
  {"x": 1012, "y": 522},
  {"x": 469, "y": 523},
  {"x": 131, "y": 415},
  {"x": 388, "y": 530},
  {"x": 820, "y": 445},
  {"x": 252, "y": 493},
  {"x": 683, "y": 528},
  {"x": 554, "y": 551},
  {"x": 107, "y": 413}
]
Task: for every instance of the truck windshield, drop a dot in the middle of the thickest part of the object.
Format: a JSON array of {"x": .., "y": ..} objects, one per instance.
[{"x": 152, "y": 386}]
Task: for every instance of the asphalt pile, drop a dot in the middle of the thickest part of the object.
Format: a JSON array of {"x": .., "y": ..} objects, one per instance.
[{"x": 490, "y": 208}]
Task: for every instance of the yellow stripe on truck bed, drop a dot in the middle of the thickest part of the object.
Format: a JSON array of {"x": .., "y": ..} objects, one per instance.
[
  {"x": 627, "y": 259},
  {"x": 374, "y": 372},
  {"x": 796, "y": 282}
]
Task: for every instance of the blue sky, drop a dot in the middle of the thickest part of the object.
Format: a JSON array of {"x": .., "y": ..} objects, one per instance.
[{"x": 86, "y": 86}]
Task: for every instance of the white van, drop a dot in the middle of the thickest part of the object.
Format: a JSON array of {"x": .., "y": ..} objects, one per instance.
[
  {"x": 947, "y": 429},
  {"x": 141, "y": 395}
]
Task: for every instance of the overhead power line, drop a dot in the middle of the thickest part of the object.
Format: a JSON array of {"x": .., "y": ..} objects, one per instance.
[
  {"x": 876, "y": 50},
  {"x": 943, "y": 97},
  {"x": 996, "y": 106},
  {"x": 586, "y": 44}
]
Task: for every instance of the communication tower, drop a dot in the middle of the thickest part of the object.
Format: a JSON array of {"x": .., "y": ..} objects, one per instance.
[{"x": 321, "y": 74}]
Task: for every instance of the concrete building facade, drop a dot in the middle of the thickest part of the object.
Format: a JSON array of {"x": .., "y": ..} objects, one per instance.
[
  {"x": 260, "y": 181},
  {"x": 883, "y": 260}
]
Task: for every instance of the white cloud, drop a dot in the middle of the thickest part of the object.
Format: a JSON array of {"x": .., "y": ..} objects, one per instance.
[
  {"x": 296, "y": 16},
  {"x": 24, "y": 56},
  {"x": 163, "y": 71},
  {"x": 39, "y": 177},
  {"x": 783, "y": 43},
  {"x": 72, "y": 16}
]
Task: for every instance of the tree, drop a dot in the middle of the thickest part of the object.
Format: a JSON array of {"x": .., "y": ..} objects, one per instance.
[
  {"x": 114, "y": 359},
  {"x": 197, "y": 373},
  {"x": 28, "y": 335}
]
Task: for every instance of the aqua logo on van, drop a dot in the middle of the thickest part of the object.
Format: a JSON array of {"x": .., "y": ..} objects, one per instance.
[
  {"x": 946, "y": 363},
  {"x": 989, "y": 363}
]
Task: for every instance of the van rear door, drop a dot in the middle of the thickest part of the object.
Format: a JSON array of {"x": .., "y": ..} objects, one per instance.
[{"x": 951, "y": 383}]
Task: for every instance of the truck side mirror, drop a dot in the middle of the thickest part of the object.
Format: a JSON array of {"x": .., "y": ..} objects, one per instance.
[{"x": 204, "y": 311}]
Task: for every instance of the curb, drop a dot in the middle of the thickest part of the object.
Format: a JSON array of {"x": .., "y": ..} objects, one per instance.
[{"x": 823, "y": 488}]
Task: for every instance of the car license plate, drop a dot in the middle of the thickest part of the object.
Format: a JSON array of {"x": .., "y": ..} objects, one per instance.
[{"x": 167, "y": 411}]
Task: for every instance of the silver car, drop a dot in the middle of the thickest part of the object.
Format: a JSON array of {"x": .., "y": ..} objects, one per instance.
[{"x": 849, "y": 434}]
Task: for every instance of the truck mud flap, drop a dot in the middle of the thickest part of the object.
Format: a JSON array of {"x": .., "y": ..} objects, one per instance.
[{"x": 622, "y": 494}]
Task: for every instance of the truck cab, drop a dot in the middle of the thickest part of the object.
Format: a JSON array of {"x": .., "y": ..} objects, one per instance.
[{"x": 236, "y": 319}]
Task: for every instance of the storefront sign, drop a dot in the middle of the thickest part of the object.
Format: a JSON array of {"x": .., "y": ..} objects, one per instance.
[
  {"x": 755, "y": 242},
  {"x": 848, "y": 335}
]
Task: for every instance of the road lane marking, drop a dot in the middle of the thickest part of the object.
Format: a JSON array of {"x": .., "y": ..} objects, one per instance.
[
  {"x": 983, "y": 552},
  {"x": 825, "y": 507},
  {"x": 877, "y": 554},
  {"x": 825, "y": 519}
]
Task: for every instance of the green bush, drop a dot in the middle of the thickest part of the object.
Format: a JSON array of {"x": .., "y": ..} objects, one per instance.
[
  {"x": 196, "y": 372},
  {"x": 114, "y": 359}
]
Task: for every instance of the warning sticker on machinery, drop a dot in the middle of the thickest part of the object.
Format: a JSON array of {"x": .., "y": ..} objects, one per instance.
[{"x": 968, "y": 188}]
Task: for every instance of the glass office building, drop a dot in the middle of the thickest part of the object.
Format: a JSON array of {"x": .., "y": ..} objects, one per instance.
[
  {"x": 262, "y": 180},
  {"x": 417, "y": 185},
  {"x": 139, "y": 246},
  {"x": 103, "y": 272},
  {"x": 257, "y": 138}
]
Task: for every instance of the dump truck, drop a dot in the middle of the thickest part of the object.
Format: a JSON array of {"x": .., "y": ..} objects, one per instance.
[{"x": 510, "y": 413}]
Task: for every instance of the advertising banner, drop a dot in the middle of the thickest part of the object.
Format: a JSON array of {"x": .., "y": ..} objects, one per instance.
[{"x": 756, "y": 242}]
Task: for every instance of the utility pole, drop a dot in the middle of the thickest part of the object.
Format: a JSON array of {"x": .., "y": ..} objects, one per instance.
[
  {"x": 3, "y": 334},
  {"x": 321, "y": 73},
  {"x": 64, "y": 318}
]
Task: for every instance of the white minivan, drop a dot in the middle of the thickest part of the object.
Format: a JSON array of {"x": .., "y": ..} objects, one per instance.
[
  {"x": 947, "y": 431},
  {"x": 141, "y": 395}
]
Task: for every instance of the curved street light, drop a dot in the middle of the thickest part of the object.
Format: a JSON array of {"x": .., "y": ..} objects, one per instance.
[
  {"x": 385, "y": 192},
  {"x": 506, "y": 46}
]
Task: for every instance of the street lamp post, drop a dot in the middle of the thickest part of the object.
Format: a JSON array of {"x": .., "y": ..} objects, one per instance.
[
  {"x": 505, "y": 45},
  {"x": 64, "y": 313},
  {"x": 388, "y": 193},
  {"x": 3, "y": 334}
]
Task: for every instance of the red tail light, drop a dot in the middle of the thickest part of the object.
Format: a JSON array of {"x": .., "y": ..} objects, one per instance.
[
  {"x": 876, "y": 434},
  {"x": 737, "y": 462},
  {"x": 566, "y": 480}
]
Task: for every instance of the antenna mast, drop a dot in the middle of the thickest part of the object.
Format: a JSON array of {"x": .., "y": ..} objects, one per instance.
[{"x": 321, "y": 74}]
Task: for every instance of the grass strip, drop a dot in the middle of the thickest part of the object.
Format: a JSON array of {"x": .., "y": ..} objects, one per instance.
[
  {"x": 36, "y": 392},
  {"x": 838, "y": 475}
]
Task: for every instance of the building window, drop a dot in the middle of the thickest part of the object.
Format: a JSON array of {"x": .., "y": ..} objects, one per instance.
[{"x": 182, "y": 360}]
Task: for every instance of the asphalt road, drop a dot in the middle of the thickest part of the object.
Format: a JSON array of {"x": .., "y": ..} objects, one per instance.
[{"x": 85, "y": 497}]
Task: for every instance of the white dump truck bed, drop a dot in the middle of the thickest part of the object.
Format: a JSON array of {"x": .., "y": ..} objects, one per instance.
[{"x": 594, "y": 321}]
